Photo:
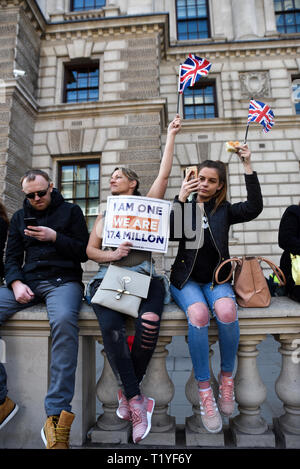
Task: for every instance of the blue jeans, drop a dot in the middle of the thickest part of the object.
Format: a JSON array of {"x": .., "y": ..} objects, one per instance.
[
  {"x": 63, "y": 303},
  {"x": 198, "y": 342}
]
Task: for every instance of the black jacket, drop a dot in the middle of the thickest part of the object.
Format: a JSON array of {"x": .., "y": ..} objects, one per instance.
[
  {"x": 219, "y": 222},
  {"x": 289, "y": 241},
  {"x": 30, "y": 260}
]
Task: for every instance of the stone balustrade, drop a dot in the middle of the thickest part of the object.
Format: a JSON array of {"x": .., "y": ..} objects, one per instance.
[{"x": 26, "y": 348}]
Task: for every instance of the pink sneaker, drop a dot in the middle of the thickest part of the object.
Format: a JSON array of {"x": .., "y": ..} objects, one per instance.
[
  {"x": 141, "y": 414},
  {"x": 210, "y": 415},
  {"x": 226, "y": 399},
  {"x": 123, "y": 411}
]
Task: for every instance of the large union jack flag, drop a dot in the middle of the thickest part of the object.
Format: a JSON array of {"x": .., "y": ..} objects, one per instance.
[
  {"x": 191, "y": 70},
  {"x": 262, "y": 113}
]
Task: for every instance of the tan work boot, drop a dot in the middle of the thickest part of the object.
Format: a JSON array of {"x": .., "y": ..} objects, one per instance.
[
  {"x": 7, "y": 410},
  {"x": 56, "y": 431}
]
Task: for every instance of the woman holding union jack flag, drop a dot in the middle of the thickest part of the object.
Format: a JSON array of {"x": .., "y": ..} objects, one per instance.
[{"x": 192, "y": 274}]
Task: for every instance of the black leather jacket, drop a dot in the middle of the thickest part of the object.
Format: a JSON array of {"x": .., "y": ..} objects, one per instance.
[{"x": 219, "y": 222}]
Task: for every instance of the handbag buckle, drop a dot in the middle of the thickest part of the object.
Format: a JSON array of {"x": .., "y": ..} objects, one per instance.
[{"x": 122, "y": 291}]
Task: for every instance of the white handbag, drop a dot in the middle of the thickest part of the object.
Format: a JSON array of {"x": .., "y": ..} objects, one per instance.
[{"x": 122, "y": 290}]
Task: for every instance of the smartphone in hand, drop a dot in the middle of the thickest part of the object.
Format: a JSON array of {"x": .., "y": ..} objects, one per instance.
[
  {"x": 30, "y": 221},
  {"x": 191, "y": 172}
]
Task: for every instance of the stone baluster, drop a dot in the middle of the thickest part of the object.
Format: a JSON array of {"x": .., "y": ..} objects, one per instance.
[
  {"x": 158, "y": 385},
  {"x": 195, "y": 433},
  {"x": 249, "y": 428},
  {"x": 109, "y": 427},
  {"x": 288, "y": 390}
]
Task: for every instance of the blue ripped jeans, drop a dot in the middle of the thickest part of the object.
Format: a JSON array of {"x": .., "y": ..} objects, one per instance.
[{"x": 198, "y": 342}]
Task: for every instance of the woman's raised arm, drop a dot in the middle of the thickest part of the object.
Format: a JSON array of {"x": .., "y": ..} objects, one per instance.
[{"x": 159, "y": 186}]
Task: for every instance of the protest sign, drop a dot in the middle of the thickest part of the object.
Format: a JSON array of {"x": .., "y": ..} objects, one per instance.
[{"x": 143, "y": 221}]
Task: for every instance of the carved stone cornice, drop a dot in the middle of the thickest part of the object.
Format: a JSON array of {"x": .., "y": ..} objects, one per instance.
[
  {"x": 237, "y": 123},
  {"x": 116, "y": 27},
  {"x": 20, "y": 93},
  {"x": 279, "y": 47},
  {"x": 77, "y": 15},
  {"x": 78, "y": 110}
]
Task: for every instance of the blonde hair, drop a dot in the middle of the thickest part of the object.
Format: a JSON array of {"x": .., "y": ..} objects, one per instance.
[{"x": 131, "y": 175}]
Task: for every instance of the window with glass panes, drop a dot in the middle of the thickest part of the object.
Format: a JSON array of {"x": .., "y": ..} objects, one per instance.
[
  {"x": 79, "y": 184},
  {"x": 199, "y": 101},
  {"x": 81, "y": 83},
  {"x": 287, "y": 14},
  {"x": 192, "y": 19},
  {"x": 296, "y": 93},
  {"x": 79, "y": 5}
]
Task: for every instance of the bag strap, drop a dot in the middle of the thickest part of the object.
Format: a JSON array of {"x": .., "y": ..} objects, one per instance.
[
  {"x": 277, "y": 271},
  {"x": 151, "y": 265},
  {"x": 233, "y": 260}
]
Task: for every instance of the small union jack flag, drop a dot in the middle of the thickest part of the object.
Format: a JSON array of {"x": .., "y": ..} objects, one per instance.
[
  {"x": 191, "y": 70},
  {"x": 262, "y": 113}
]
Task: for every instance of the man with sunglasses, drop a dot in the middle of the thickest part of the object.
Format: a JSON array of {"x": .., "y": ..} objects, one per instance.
[{"x": 54, "y": 244}]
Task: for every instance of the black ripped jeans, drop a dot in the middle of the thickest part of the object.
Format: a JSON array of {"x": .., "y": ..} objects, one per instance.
[{"x": 128, "y": 366}]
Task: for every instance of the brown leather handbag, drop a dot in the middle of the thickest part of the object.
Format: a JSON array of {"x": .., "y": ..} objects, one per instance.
[{"x": 250, "y": 286}]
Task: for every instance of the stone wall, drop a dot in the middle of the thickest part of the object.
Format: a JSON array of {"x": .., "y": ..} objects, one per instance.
[
  {"x": 19, "y": 49},
  {"x": 8, "y": 31}
]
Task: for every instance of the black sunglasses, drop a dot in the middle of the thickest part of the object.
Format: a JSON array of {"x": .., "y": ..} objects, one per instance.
[{"x": 40, "y": 194}]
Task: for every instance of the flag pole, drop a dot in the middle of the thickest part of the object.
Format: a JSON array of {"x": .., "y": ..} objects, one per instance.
[
  {"x": 247, "y": 128},
  {"x": 178, "y": 102},
  {"x": 178, "y": 98},
  {"x": 246, "y": 134}
]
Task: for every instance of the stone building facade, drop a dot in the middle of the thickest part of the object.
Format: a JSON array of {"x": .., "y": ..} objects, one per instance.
[{"x": 135, "y": 48}]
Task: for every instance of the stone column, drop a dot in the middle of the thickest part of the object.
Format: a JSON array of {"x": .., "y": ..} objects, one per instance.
[
  {"x": 157, "y": 384},
  {"x": 249, "y": 428},
  {"x": 195, "y": 433},
  {"x": 288, "y": 390}
]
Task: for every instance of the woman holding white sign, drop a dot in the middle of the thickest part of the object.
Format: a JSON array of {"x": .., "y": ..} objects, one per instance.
[
  {"x": 192, "y": 274},
  {"x": 128, "y": 365}
]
